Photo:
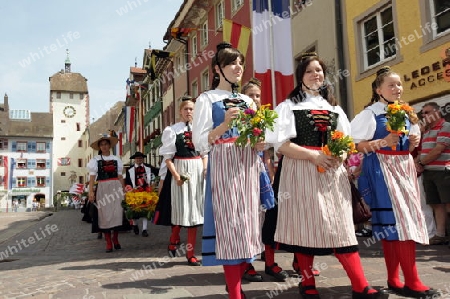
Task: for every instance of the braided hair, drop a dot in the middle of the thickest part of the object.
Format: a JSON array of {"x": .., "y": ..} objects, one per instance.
[
  {"x": 253, "y": 82},
  {"x": 298, "y": 95},
  {"x": 382, "y": 73}
]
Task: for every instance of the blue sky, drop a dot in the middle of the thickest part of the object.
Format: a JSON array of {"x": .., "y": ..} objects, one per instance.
[{"x": 103, "y": 37}]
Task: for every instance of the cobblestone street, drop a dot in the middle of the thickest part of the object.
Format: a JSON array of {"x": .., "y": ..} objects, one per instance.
[{"x": 57, "y": 257}]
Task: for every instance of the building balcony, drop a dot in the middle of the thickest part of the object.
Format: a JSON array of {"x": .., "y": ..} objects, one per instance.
[{"x": 153, "y": 112}]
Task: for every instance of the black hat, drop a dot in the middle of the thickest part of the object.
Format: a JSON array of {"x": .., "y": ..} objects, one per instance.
[{"x": 138, "y": 155}]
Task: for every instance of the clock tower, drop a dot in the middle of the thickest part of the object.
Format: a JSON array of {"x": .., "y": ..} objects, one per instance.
[{"x": 69, "y": 104}]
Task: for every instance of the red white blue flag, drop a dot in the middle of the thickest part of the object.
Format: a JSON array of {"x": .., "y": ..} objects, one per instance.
[
  {"x": 130, "y": 113},
  {"x": 272, "y": 49}
]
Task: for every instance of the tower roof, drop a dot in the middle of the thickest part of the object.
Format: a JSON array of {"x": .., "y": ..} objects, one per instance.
[{"x": 72, "y": 82}]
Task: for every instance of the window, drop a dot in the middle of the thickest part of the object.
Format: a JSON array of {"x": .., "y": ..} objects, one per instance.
[
  {"x": 63, "y": 138},
  {"x": 220, "y": 14},
  {"x": 81, "y": 179},
  {"x": 1, "y": 161},
  {"x": 63, "y": 174},
  {"x": 237, "y": 4},
  {"x": 205, "y": 80},
  {"x": 80, "y": 143},
  {"x": 40, "y": 147},
  {"x": 40, "y": 181},
  {"x": 3, "y": 144},
  {"x": 80, "y": 162},
  {"x": 440, "y": 13},
  {"x": 58, "y": 94},
  {"x": 71, "y": 95},
  {"x": 81, "y": 96},
  {"x": 21, "y": 181},
  {"x": 63, "y": 121},
  {"x": 21, "y": 146},
  {"x": 379, "y": 41},
  {"x": 194, "y": 46},
  {"x": 194, "y": 90},
  {"x": 40, "y": 163},
  {"x": 78, "y": 127},
  {"x": 204, "y": 33},
  {"x": 21, "y": 163},
  {"x": 63, "y": 161}
]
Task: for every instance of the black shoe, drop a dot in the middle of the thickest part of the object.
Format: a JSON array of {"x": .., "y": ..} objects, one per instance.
[
  {"x": 280, "y": 276},
  {"x": 136, "y": 229},
  {"x": 99, "y": 236},
  {"x": 382, "y": 294},
  {"x": 303, "y": 289},
  {"x": 144, "y": 233},
  {"x": 251, "y": 275},
  {"x": 365, "y": 232},
  {"x": 407, "y": 292},
  {"x": 172, "y": 249},
  {"x": 117, "y": 246},
  {"x": 395, "y": 290},
  {"x": 192, "y": 261}
]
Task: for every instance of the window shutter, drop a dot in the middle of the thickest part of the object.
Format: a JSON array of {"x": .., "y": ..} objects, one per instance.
[
  {"x": 29, "y": 147},
  {"x": 14, "y": 184},
  {"x": 47, "y": 163},
  {"x": 47, "y": 146},
  {"x": 33, "y": 163},
  {"x": 29, "y": 181},
  {"x": 47, "y": 181},
  {"x": 33, "y": 146},
  {"x": 29, "y": 164},
  {"x": 14, "y": 146}
]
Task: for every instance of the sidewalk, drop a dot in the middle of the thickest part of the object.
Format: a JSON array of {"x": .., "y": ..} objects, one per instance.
[{"x": 58, "y": 257}]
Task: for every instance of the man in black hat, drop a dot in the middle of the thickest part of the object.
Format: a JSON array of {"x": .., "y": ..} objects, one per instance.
[{"x": 140, "y": 175}]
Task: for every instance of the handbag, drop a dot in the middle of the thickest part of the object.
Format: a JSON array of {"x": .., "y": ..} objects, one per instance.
[{"x": 361, "y": 211}]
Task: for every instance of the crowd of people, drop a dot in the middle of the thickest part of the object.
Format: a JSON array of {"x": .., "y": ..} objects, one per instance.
[{"x": 207, "y": 180}]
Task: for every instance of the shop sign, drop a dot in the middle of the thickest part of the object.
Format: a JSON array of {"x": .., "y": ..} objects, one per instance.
[
  {"x": 30, "y": 190},
  {"x": 429, "y": 73}
]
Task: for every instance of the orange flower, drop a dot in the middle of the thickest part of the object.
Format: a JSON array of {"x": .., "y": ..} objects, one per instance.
[{"x": 337, "y": 135}]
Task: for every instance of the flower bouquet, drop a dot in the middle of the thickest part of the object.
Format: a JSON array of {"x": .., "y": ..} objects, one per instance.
[
  {"x": 140, "y": 202},
  {"x": 252, "y": 124},
  {"x": 396, "y": 118},
  {"x": 337, "y": 146}
]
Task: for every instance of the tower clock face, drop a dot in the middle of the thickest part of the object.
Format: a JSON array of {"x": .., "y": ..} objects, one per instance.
[{"x": 69, "y": 111}]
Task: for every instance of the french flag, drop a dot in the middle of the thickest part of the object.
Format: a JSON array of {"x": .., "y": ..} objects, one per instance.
[
  {"x": 272, "y": 49},
  {"x": 130, "y": 113}
]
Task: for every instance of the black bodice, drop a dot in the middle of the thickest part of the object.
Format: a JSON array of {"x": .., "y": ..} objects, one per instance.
[
  {"x": 314, "y": 127},
  {"x": 106, "y": 169}
]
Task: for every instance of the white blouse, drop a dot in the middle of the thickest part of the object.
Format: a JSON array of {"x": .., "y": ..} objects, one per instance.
[
  {"x": 203, "y": 122},
  {"x": 284, "y": 128},
  {"x": 364, "y": 124},
  {"x": 92, "y": 166},
  {"x": 168, "y": 139}
]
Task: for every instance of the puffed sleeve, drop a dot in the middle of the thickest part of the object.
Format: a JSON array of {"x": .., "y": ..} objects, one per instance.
[
  {"x": 168, "y": 148},
  {"x": 92, "y": 167},
  {"x": 202, "y": 123},
  {"x": 284, "y": 128},
  {"x": 343, "y": 124},
  {"x": 363, "y": 126},
  {"x": 119, "y": 166},
  {"x": 162, "y": 170}
]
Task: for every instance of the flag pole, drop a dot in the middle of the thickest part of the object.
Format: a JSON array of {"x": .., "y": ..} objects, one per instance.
[{"x": 271, "y": 49}]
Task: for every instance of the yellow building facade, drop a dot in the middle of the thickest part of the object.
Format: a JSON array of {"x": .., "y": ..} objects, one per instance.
[{"x": 411, "y": 36}]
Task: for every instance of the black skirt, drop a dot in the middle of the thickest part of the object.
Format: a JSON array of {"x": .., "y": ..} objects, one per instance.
[{"x": 163, "y": 211}]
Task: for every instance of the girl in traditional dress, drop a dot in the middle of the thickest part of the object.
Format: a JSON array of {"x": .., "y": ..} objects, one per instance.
[
  {"x": 253, "y": 89},
  {"x": 107, "y": 170},
  {"x": 231, "y": 234},
  {"x": 314, "y": 208},
  {"x": 186, "y": 166},
  {"x": 389, "y": 185}
]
